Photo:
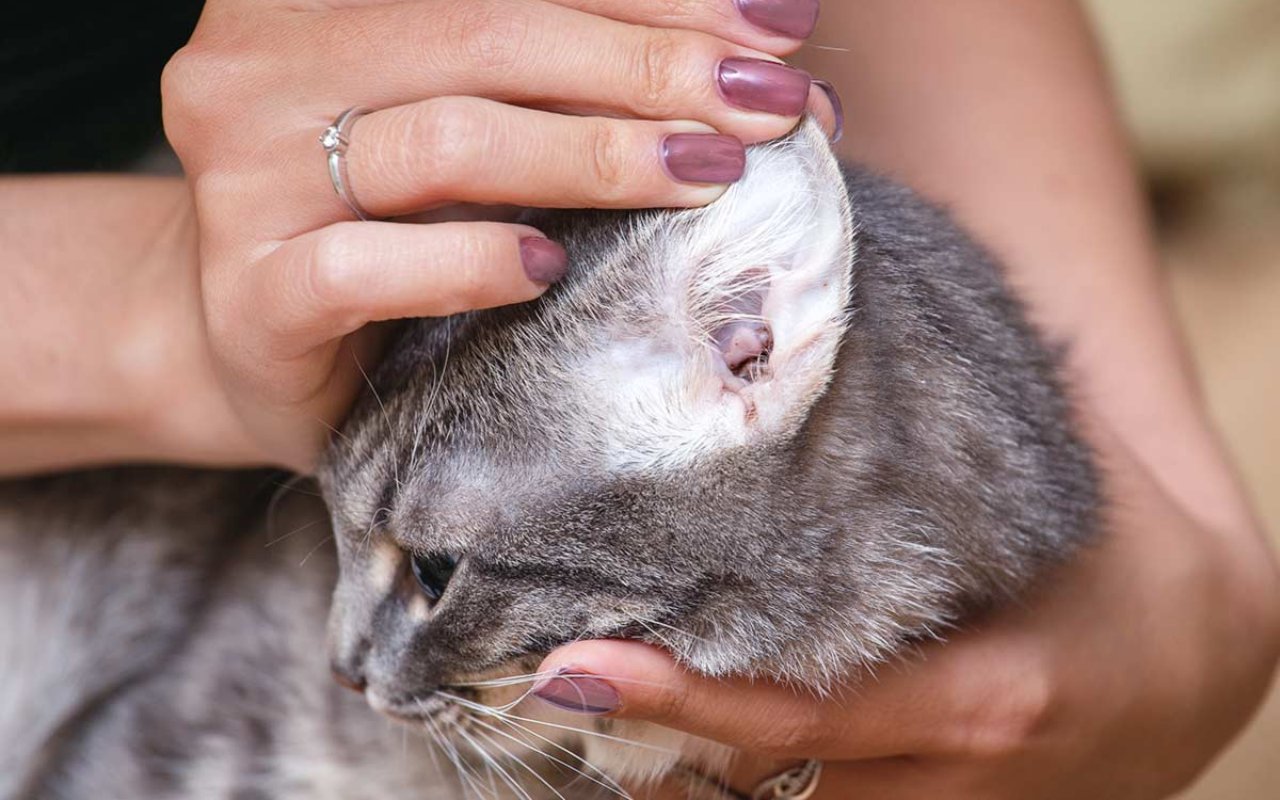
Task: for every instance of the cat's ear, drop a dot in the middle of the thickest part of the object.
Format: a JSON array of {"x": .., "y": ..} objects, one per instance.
[{"x": 757, "y": 292}]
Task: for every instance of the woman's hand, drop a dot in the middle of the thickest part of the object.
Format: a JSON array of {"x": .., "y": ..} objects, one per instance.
[
  {"x": 601, "y": 103},
  {"x": 1120, "y": 679}
]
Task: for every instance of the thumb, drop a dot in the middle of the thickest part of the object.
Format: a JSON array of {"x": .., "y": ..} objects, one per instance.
[{"x": 632, "y": 680}]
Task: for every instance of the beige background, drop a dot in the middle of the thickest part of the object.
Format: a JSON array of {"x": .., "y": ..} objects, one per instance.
[{"x": 1200, "y": 83}]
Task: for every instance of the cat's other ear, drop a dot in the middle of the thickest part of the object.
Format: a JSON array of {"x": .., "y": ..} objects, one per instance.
[{"x": 756, "y": 291}]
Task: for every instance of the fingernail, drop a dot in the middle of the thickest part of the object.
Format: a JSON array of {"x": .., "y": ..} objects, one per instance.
[
  {"x": 836, "y": 106},
  {"x": 544, "y": 260},
  {"x": 758, "y": 85},
  {"x": 793, "y": 18},
  {"x": 703, "y": 157},
  {"x": 579, "y": 693}
]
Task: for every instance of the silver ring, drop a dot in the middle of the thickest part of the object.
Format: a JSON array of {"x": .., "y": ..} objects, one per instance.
[{"x": 335, "y": 141}]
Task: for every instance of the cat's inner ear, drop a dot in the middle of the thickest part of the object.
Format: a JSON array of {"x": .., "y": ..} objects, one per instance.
[
  {"x": 765, "y": 277},
  {"x": 741, "y": 337},
  {"x": 745, "y": 306}
]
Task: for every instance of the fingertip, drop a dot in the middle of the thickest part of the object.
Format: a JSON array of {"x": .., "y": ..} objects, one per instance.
[
  {"x": 544, "y": 261},
  {"x": 644, "y": 681},
  {"x": 824, "y": 102},
  {"x": 709, "y": 161},
  {"x": 794, "y": 20},
  {"x": 614, "y": 657}
]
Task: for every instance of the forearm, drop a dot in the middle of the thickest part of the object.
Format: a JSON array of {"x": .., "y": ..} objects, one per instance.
[
  {"x": 1001, "y": 111},
  {"x": 102, "y": 358}
]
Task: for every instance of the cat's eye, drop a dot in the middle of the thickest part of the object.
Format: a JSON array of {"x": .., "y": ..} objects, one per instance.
[{"x": 433, "y": 571}]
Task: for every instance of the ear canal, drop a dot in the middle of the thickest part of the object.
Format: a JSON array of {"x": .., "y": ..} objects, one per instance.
[
  {"x": 744, "y": 349},
  {"x": 741, "y": 335}
]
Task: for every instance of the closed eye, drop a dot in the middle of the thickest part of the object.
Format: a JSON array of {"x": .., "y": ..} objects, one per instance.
[{"x": 432, "y": 571}]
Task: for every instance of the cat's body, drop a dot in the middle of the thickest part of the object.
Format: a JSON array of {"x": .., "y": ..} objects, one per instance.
[{"x": 781, "y": 436}]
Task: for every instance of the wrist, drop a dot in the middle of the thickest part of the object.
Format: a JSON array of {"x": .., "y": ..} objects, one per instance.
[{"x": 177, "y": 407}]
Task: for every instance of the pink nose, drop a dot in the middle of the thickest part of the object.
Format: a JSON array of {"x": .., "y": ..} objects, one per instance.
[{"x": 348, "y": 681}]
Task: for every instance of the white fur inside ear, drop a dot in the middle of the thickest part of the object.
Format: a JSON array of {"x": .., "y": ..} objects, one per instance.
[{"x": 782, "y": 239}]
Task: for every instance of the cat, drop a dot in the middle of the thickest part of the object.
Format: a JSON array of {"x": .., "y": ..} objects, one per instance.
[{"x": 786, "y": 436}]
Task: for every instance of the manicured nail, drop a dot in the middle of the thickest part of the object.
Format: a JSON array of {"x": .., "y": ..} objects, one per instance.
[
  {"x": 836, "y": 106},
  {"x": 703, "y": 157},
  {"x": 579, "y": 693},
  {"x": 544, "y": 260},
  {"x": 758, "y": 85},
  {"x": 793, "y": 18}
]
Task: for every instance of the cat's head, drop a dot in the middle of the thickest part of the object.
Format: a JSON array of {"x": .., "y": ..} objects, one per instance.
[{"x": 604, "y": 461}]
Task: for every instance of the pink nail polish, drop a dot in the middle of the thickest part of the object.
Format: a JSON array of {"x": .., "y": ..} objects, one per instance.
[
  {"x": 578, "y": 692},
  {"x": 703, "y": 158},
  {"x": 544, "y": 261},
  {"x": 792, "y": 18},
  {"x": 767, "y": 86}
]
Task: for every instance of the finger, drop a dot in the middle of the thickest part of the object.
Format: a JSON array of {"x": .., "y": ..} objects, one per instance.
[
  {"x": 326, "y": 284},
  {"x": 552, "y": 57},
  {"x": 774, "y": 26},
  {"x": 946, "y": 702},
  {"x": 464, "y": 149},
  {"x": 825, "y": 104}
]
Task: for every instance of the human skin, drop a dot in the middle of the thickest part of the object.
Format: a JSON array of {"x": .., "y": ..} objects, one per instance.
[
  {"x": 1122, "y": 677},
  {"x": 265, "y": 312},
  {"x": 1124, "y": 673}
]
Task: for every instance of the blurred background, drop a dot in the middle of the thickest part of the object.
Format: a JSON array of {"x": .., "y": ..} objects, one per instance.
[{"x": 1200, "y": 84}]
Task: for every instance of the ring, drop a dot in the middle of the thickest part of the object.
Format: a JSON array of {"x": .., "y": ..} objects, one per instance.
[{"x": 335, "y": 142}]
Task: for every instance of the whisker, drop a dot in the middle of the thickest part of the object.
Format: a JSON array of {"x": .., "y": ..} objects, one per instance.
[
  {"x": 536, "y": 676},
  {"x": 512, "y": 757},
  {"x": 680, "y": 631},
  {"x": 386, "y": 419},
  {"x": 463, "y": 771},
  {"x": 293, "y": 532},
  {"x": 612, "y": 785},
  {"x": 488, "y": 710},
  {"x": 489, "y": 759},
  {"x": 314, "y": 550},
  {"x": 334, "y": 430}
]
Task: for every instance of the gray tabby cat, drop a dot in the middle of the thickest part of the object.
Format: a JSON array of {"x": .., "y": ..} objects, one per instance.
[{"x": 786, "y": 436}]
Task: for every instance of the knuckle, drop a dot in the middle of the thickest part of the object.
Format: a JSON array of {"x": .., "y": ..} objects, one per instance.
[
  {"x": 468, "y": 281},
  {"x": 447, "y": 134},
  {"x": 679, "y": 10},
  {"x": 198, "y": 85},
  {"x": 1006, "y": 723},
  {"x": 332, "y": 275},
  {"x": 656, "y": 68},
  {"x": 488, "y": 36},
  {"x": 689, "y": 13},
  {"x": 609, "y": 160},
  {"x": 186, "y": 86},
  {"x": 796, "y": 734},
  {"x": 670, "y": 706}
]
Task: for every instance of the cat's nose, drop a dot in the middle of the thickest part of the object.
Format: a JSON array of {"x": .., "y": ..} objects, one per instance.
[{"x": 348, "y": 679}]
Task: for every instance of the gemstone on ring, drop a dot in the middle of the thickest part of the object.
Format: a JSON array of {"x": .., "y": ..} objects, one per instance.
[{"x": 331, "y": 139}]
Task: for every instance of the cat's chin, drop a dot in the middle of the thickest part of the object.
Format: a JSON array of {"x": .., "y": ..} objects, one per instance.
[{"x": 414, "y": 713}]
